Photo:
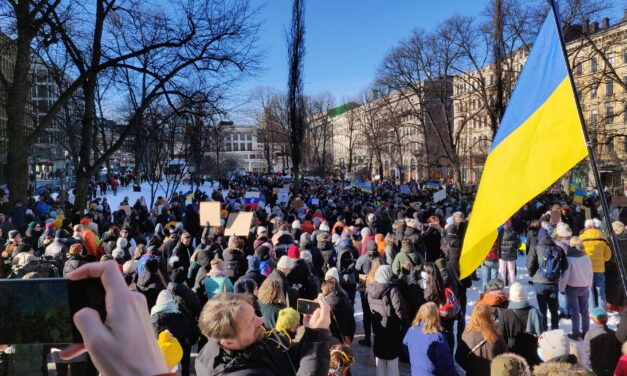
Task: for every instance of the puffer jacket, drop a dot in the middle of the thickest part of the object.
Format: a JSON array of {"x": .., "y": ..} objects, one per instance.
[
  {"x": 597, "y": 248},
  {"x": 389, "y": 318},
  {"x": 509, "y": 245}
]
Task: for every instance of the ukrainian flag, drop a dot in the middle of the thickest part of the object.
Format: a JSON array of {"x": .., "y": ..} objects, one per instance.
[{"x": 539, "y": 139}]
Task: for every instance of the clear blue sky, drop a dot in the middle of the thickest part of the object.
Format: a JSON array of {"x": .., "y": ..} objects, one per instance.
[{"x": 345, "y": 39}]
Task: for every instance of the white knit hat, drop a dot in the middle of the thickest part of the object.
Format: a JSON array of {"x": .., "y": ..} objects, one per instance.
[
  {"x": 518, "y": 293},
  {"x": 589, "y": 223},
  {"x": 563, "y": 230},
  {"x": 296, "y": 224},
  {"x": 332, "y": 273},
  {"x": 597, "y": 222},
  {"x": 554, "y": 343},
  {"x": 285, "y": 262},
  {"x": 324, "y": 227}
]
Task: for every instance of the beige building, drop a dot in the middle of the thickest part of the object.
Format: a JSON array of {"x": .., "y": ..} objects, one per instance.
[{"x": 598, "y": 57}]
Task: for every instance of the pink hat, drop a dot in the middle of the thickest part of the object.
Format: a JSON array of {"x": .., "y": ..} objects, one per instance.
[{"x": 293, "y": 252}]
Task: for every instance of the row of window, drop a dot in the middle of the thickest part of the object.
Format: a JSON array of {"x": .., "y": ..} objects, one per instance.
[
  {"x": 610, "y": 115},
  {"x": 238, "y": 147},
  {"x": 594, "y": 62},
  {"x": 238, "y": 136}
]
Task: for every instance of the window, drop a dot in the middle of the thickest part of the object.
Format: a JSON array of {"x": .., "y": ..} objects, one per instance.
[
  {"x": 249, "y": 137},
  {"x": 610, "y": 58},
  {"x": 252, "y": 156},
  {"x": 625, "y": 55},
  {"x": 610, "y": 145},
  {"x": 593, "y": 65},
  {"x": 249, "y": 146},
  {"x": 594, "y": 116},
  {"x": 609, "y": 88},
  {"x": 609, "y": 114},
  {"x": 227, "y": 146},
  {"x": 578, "y": 68},
  {"x": 242, "y": 146},
  {"x": 593, "y": 92},
  {"x": 235, "y": 146}
]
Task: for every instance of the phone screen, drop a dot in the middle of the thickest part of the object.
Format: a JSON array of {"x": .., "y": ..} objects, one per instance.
[
  {"x": 41, "y": 310},
  {"x": 306, "y": 306}
]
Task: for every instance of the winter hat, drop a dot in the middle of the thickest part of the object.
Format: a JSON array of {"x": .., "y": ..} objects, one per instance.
[
  {"x": 383, "y": 274},
  {"x": 253, "y": 263},
  {"x": 589, "y": 223},
  {"x": 306, "y": 255},
  {"x": 371, "y": 217},
  {"x": 261, "y": 230},
  {"x": 509, "y": 364},
  {"x": 287, "y": 320},
  {"x": 245, "y": 285},
  {"x": 171, "y": 349},
  {"x": 29, "y": 212},
  {"x": 262, "y": 252},
  {"x": 598, "y": 315},
  {"x": 324, "y": 227},
  {"x": 518, "y": 293},
  {"x": 165, "y": 297},
  {"x": 554, "y": 343},
  {"x": 618, "y": 227},
  {"x": 13, "y": 234},
  {"x": 129, "y": 267},
  {"x": 32, "y": 225},
  {"x": 597, "y": 223},
  {"x": 296, "y": 224},
  {"x": 285, "y": 262},
  {"x": 365, "y": 232},
  {"x": 450, "y": 221},
  {"x": 121, "y": 243},
  {"x": 118, "y": 253},
  {"x": 293, "y": 252},
  {"x": 563, "y": 230},
  {"x": 332, "y": 273}
]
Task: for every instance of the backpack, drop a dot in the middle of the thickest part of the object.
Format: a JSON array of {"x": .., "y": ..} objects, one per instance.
[
  {"x": 550, "y": 265},
  {"x": 141, "y": 265},
  {"x": 451, "y": 308}
]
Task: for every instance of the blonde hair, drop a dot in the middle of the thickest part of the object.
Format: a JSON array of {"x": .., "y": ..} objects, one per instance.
[
  {"x": 218, "y": 319},
  {"x": 76, "y": 249},
  {"x": 576, "y": 242},
  {"x": 376, "y": 263},
  {"x": 618, "y": 227},
  {"x": 341, "y": 356},
  {"x": 429, "y": 316},
  {"x": 271, "y": 292},
  {"x": 481, "y": 321}
]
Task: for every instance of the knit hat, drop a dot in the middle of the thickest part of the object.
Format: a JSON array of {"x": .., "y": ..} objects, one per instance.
[
  {"x": 324, "y": 237},
  {"x": 563, "y": 230},
  {"x": 253, "y": 263},
  {"x": 598, "y": 315},
  {"x": 518, "y": 293},
  {"x": 554, "y": 343},
  {"x": 293, "y": 252},
  {"x": 261, "y": 230},
  {"x": 171, "y": 349},
  {"x": 306, "y": 255},
  {"x": 287, "y": 320},
  {"x": 121, "y": 243},
  {"x": 13, "y": 234},
  {"x": 597, "y": 223},
  {"x": 118, "y": 253},
  {"x": 32, "y": 225},
  {"x": 296, "y": 224},
  {"x": 383, "y": 274},
  {"x": 165, "y": 296},
  {"x": 332, "y": 273},
  {"x": 285, "y": 262},
  {"x": 245, "y": 285},
  {"x": 324, "y": 227},
  {"x": 589, "y": 223},
  {"x": 365, "y": 232},
  {"x": 129, "y": 267}
]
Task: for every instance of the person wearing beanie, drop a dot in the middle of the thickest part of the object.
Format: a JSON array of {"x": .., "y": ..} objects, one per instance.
[
  {"x": 263, "y": 253},
  {"x": 293, "y": 252},
  {"x": 165, "y": 315},
  {"x": 171, "y": 349},
  {"x": 324, "y": 227},
  {"x": 509, "y": 364},
  {"x": 217, "y": 282},
  {"x": 288, "y": 321},
  {"x": 601, "y": 348},
  {"x": 332, "y": 273},
  {"x": 575, "y": 283},
  {"x": 280, "y": 274},
  {"x": 598, "y": 250},
  {"x": 521, "y": 324},
  {"x": 296, "y": 231},
  {"x": 554, "y": 350},
  {"x": 494, "y": 296},
  {"x": 58, "y": 248},
  {"x": 119, "y": 252},
  {"x": 129, "y": 269},
  {"x": 390, "y": 317},
  {"x": 254, "y": 270}
]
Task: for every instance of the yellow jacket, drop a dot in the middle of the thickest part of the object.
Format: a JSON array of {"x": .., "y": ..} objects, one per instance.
[{"x": 597, "y": 248}]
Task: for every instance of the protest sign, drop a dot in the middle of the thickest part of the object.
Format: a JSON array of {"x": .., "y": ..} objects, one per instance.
[
  {"x": 405, "y": 189},
  {"x": 439, "y": 195},
  {"x": 210, "y": 212},
  {"x": 238, "y": 224}
]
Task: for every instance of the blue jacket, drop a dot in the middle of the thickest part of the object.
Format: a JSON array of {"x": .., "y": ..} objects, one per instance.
[{"x": 429, "y": 354}]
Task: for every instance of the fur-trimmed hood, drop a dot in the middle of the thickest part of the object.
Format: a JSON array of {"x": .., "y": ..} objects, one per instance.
[
  {"x": 509, "y": 364},
  {"x": 560, "y": 367}
]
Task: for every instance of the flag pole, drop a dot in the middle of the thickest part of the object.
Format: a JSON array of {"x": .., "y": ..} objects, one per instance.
[{"x": 597, "y": 176}]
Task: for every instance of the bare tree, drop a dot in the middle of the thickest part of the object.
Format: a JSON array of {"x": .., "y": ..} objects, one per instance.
[
  {"x": 295, "y": 95},
  {"x": 319, "y": 131}
]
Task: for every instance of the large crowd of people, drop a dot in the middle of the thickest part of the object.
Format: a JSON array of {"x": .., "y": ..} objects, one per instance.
[{"x": 175, "y": 285}]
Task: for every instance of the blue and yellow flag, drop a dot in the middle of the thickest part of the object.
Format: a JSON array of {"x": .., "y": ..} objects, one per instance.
[
  {"x": 578, "y": 196},
  {"x": 539, "y": 139}
]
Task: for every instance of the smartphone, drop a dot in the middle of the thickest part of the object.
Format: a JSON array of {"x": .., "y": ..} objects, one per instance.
[
  {"x": 306, "y": 307},
  {"x": 40, "y": 310}
]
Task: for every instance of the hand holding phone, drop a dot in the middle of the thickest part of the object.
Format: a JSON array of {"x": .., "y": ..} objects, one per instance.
[{"x": 127, "y": 334}]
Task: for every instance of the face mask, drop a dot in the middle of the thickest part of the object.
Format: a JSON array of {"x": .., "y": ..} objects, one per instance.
[{"x": 540, "y": 355}]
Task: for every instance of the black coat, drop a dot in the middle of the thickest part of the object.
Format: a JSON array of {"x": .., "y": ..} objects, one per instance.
[
  {"x": 432, "y": 241},
  {"x": 175, "y": 323},
  {"x": 343, "y": 319},
  {"x": 389, "y": 319},
  {"x": 256, "y": 276},
  {"x": 511, "y": 325},
  {"x": 309, "y": 356},
  {"x": 235, "y": 264},
  {"x": 509, "y": 245}
]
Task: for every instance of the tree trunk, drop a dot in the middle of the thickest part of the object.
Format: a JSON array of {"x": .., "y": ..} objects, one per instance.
[{"x": 82, "y": 190}]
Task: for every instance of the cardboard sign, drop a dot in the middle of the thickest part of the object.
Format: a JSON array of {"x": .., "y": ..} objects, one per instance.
[
  {"x": 238, "y": 224},
  {"x": 619, "y": 201},
  {"x": 439, "y": 195},
  {"x": 210, "y": 212},
  {"x": 126, "y": 208},
  {"x": 283, "y": 196}
]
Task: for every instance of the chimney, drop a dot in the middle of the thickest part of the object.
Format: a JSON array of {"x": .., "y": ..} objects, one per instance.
[
  {"x": 595, "y": 27},
  {"x": 586, "y": 25},
  {"x": 606, "y": 23}
]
